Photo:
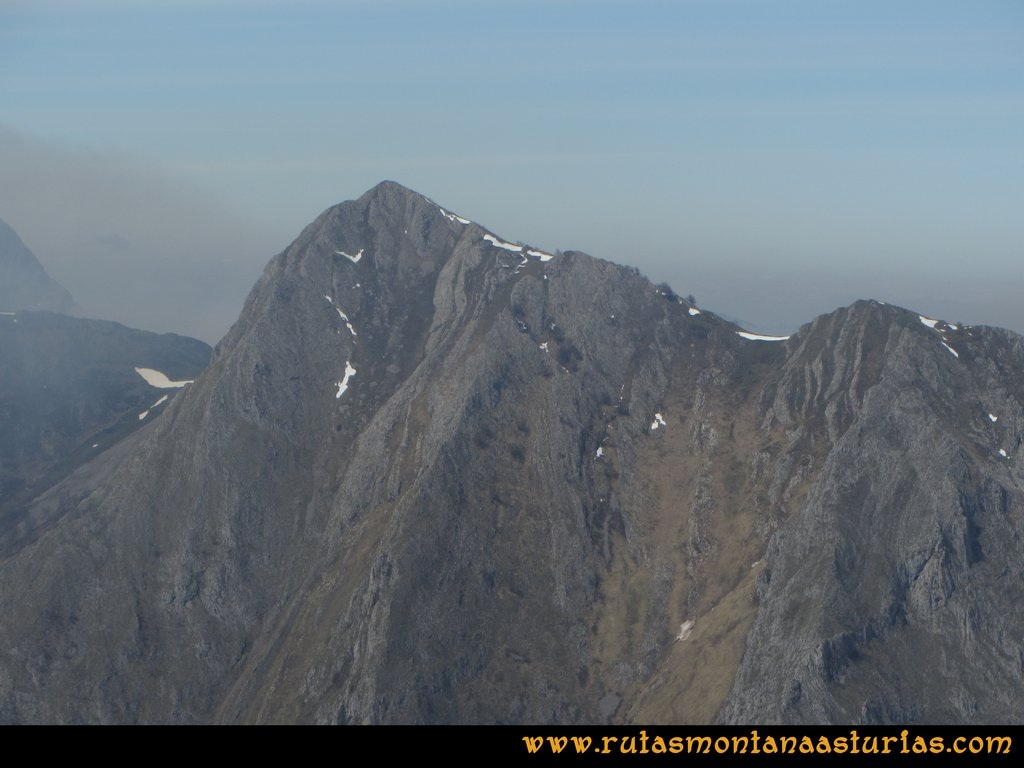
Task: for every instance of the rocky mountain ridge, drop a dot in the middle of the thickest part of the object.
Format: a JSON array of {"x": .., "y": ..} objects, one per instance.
[{"x": 434, "y": 476}]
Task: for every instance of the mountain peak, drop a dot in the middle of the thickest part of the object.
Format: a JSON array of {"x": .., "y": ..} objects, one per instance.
[
  {"x": 389, "y": 187},
  {"x": 401, "y": 200}
]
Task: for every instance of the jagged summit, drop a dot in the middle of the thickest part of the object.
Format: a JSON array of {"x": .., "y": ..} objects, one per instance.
[
  {"x": 432, "y": 475},
  {"x": 391, "y": 220}
]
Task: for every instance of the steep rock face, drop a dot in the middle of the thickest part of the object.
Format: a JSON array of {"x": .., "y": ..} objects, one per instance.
[
  {"x": 432, "y": 476},
  {"x": 24, "y": 283},
  {"x": 892, "y": 594}
]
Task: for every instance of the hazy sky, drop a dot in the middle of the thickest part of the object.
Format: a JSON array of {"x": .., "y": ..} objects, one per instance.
[{"x": 777, "y": 159}]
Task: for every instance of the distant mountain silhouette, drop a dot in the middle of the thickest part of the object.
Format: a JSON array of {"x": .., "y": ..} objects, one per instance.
[{"x": 24, "y": 283}]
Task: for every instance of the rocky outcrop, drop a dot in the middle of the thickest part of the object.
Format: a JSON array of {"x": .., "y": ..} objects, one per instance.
[{"x": 434, "y": 476}]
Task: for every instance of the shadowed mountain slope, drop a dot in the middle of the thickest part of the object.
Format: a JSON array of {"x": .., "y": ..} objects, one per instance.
[{"x": 69, "y": 390}]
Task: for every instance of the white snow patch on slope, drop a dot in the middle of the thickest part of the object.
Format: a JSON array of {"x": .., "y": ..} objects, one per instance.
[
  {"x": 693, "y": 311},
  {"x": 544, "y": 346},
  {"x": 993, "y": 418},
  {"x": 928, "y": 321},
  {"x": 658, "y": 422},
  {"x": 451, "y": 216},
  {"x": 502, "y": 244},
  {"x": 955, "y": 353},
  {"x": 541, "y": 255},
  {"x": 342, "y": 315},
  {"x": 9, "y": 314},
  {"x": 600, "y": 452},
  {"x": 160, "y": 380},
  {"x": 760, "y": 337},
  {"x": 348, "y": 324},
  {"x": 354, "y": 259},
  {"x": 343, "y": 384},
  {"x": 685, "y": 629},
  {"x": 145, "y": 413},
  {"x": 1003, "y": 453}
]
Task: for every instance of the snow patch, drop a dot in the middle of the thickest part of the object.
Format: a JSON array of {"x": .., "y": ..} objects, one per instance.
[
  {"x": 354, "y": 259},
  {"x": 451, "y": 216},
  {"x": 95, "y": 445},
  {"x": 9, "y": 314},
  {"x": 160, "y": 380},
  {"x": 544, "y": 346},
  {"x": 685, "y": 630},
  {"x": 955, "y": 354},
  {"x": 502, "y": 244},
  {"x": 600, "y": 452},
  {"x": 693, "y": 311},
  {"x": 347, "y": 323},
  {"x": 993, "y": 418},
  {"x": 928, "y": 321},
  {"x": 343, "y": 384},
  {"x": 541, "y": 255},
  {"x": 145, "y": 413},
  {"x": 342, "y": 315},
  {"x": 760, "y": 337},
  {"x": 1003, "y": 453},
  {"x": 658, "y": 422}
]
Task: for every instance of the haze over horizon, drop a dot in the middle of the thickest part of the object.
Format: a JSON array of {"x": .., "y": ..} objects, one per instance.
[{"x": 774, "y": 162}]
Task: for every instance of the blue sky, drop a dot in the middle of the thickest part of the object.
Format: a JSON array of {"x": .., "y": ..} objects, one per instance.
[{"x": 776, "y": 159}]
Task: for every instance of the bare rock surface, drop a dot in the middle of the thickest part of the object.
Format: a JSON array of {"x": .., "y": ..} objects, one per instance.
[{"x": 433, "y": 476}]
